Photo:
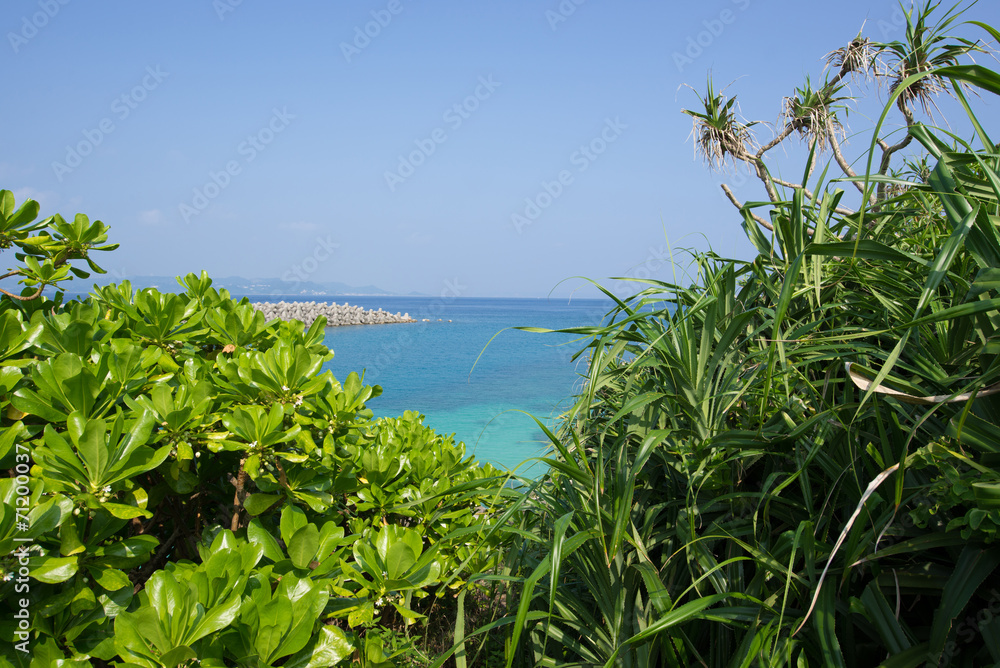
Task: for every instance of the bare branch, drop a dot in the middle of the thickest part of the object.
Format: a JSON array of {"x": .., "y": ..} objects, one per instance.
[
  {"x": 788, "y": 129},
  {"x": 839, "y": 157},
  {"x": 23, "y": 299},
  {"x": 766, "y": 179},
  {"x": 140, "y": 575},
  {"x": 887, "y": 151},
  {"x": 239, "y": 482},
  {"x": 738, "y": 205}
]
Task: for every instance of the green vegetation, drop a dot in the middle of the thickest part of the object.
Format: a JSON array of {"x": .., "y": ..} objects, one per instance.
[
  {"x": 796, "y": 461},
  {"x": 185, "y": 485},
  {"x": 793, "y": 461}
]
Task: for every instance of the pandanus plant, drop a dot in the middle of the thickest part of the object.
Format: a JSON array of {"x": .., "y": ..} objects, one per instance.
[
  {"x": 909, "y": 66},
  {"x": 793, "y": 461},
  {"x": 925, "y": 48},
  {"x": 718, "y": 132},
  {"x": 813, "y": 113}
]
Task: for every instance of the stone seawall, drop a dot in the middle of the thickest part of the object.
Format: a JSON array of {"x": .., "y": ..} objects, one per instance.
[{"x": 336, "y": 314}]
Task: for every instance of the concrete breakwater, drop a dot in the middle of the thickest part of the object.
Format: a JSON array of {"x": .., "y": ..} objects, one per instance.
[{"x": 336, "y": 314}]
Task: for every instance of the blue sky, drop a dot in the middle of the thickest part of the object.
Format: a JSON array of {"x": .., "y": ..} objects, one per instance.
[{"x": 401, "y": 143}]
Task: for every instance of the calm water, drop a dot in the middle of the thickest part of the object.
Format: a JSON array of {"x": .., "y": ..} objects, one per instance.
[{"x": 432, "y": 367}]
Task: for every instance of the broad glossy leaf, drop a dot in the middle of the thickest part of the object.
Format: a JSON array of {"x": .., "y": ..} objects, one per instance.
[
  {"x": 125, "y": 512},
  {"x": 137, "y": 546},
  {"x": 258, "y": 535},
  {"x": 69, "y": 540},
  {"x": 302, "y": 548},
  {"x": 218, "y": 617},
  {"x": 111, "y": 579},
  {"x": 53, "y": 570},
  {"x": 330, "y": 647},
  {"x": 178, "y": 656},
  {"x": 362, "y": 615},
  {"x": 399, "y": 559},
  {"x": 292, "y": 519},
  {"x": 93, "y": 448},
  {"x": 27, "y": 400},
  {"x": 256, "y": 504}
]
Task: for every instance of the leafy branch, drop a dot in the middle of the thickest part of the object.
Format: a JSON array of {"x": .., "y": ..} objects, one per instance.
[{"x": 46, "y": 247}]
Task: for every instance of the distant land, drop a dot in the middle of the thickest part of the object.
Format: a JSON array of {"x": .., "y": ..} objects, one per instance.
[{"x": 251, "y": 287}]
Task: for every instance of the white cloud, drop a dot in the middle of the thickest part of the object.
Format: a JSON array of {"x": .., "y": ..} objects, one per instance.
[{"x": 151, "y": 217}]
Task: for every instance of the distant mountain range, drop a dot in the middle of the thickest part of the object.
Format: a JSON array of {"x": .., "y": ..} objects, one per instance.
[{"x": 238, "y": 285}]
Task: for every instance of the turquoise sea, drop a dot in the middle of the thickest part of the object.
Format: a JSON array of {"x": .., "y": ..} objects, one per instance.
[{"x": 432, "y": 367}]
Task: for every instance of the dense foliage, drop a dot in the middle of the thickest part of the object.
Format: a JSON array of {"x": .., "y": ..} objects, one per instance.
[
  {"x": 187, "y": 486},
  {"x": 793, "y": 461},
  {"x": 796, "y": 460}
]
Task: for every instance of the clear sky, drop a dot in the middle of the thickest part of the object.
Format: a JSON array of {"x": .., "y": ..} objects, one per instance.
[{"x": 400, "y": 143}]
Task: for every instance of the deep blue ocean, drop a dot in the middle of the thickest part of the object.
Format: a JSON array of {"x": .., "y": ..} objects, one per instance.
[{"x": 432, "y": 367}]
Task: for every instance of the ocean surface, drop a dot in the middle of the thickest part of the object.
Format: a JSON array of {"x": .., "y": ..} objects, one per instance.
[{"x": 472, "y": 376}]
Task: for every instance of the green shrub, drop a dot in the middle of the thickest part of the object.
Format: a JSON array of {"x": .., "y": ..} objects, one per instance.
[
  {"x": 188, "y": 487},
  {"x": 795, "y": 460}
]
